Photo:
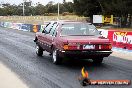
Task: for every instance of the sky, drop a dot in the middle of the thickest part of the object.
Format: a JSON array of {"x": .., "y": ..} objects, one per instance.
[{"x": 44, "y": 2}]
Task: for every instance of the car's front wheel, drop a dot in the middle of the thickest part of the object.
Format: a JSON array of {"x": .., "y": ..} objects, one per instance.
[
  {"x": 39, "y": 50},
  {"x": 97, "y": 60},
  {"x": 56, "y": 59}
]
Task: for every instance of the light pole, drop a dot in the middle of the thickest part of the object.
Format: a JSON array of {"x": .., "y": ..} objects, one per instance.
[
  {"x": 102, "y": 9},
  {"x": 23, "y": 7},
  {"x": 58, "y": 9}
]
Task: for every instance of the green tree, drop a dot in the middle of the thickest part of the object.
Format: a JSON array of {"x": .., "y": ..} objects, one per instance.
[
  {"x": 39, "y": 10},
  {"x": 69, "y": 7},
  {"x": 120, "y": 8},
  {"x": 86, "y": 7}
]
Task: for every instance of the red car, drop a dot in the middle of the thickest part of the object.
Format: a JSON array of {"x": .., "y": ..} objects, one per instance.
[{"x": 73, "y": 40}]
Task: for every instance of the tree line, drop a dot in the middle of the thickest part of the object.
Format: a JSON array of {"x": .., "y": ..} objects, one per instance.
[
  {"x": 39, "y": 9},
  {"x": 118, "y": 8},
  {"x": 80, "y": 7},
  {"x": 87, "y": 8}
]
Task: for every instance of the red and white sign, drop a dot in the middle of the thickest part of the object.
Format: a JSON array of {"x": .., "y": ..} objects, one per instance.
[{"x": 120, "y": 39}]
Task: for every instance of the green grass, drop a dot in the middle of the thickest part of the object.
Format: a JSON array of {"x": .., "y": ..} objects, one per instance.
[{"x": 39, "y": 19}]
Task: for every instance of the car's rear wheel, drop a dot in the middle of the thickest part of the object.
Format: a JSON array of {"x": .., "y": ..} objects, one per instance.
[
  {"x": 39, "y": 50},
  {"x": 56, "y": 59},
  {"x": 97, "y": 60}
]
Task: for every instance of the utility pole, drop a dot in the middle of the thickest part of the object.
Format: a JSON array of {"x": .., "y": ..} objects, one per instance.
[
  {"x": 102, "y": 9},
  {"x": 23, "y": 7},
  {"x": 58, "y": 9}
]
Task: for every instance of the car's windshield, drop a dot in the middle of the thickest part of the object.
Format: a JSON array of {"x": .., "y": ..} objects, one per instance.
[{"x": 78, "y": 29}]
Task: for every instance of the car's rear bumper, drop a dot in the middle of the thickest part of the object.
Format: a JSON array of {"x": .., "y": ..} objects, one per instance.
[{"x": 84, "y": 54}]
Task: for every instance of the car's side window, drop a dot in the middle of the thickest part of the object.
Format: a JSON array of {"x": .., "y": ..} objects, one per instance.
[
  {"x": 48, "y": 28},
  {"x": 52, "y": 31},
  {"x": 55, "y": 32},
  {"x": 45, "y": 27}
]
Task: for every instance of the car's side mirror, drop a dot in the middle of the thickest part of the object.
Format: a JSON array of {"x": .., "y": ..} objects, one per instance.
[
  {"x": 45, "y": 32},
  {"x": 100, "y": 32}
]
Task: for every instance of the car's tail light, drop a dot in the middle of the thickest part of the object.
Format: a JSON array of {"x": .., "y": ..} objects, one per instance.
[
  {"x": 106, "y": 46},
  {"x": 110, "y": 46},
  {"x": 65, "y": 47},
  {"x": 70, "y": 47}
]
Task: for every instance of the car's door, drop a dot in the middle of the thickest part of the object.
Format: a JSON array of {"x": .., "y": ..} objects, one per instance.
[
  {"x": 45, "y": 34},
  {"x": 51, "y": 36},
  {"x": 41, "y": 37}
]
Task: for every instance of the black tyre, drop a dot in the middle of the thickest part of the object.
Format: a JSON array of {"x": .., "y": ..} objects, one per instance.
[
  {"x": 56, "y": 59},
  {"x": 97, "y": 60},
  {"x": 39, "y": 50}
]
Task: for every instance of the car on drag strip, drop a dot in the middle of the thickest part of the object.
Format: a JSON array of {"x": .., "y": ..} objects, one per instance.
[{"x": 73, "y": 40}]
